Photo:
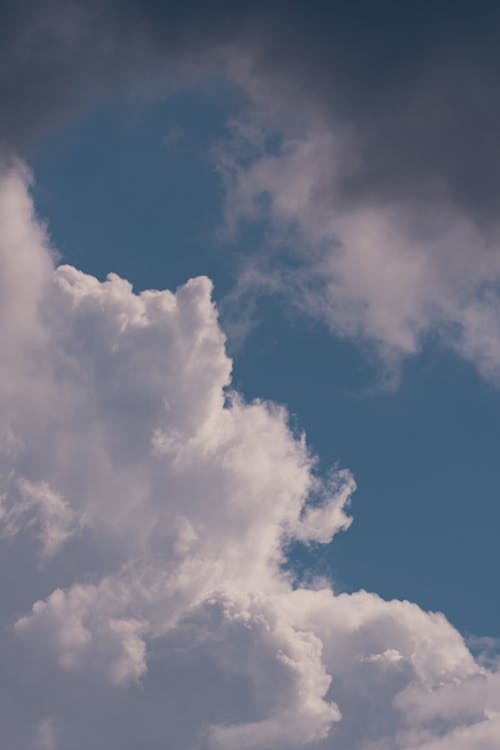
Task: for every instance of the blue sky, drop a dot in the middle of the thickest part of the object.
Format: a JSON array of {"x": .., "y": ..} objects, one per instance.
[
  {"x": 119, "y": 195},
  {"x": 249, "y": 375}
]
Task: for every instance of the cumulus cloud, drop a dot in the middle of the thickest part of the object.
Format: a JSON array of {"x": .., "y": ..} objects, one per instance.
[
  {"x": 164, "y": 504},
  {"x": 35, "y": 505}
]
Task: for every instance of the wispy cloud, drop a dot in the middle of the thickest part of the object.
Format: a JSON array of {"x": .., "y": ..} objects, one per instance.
[{"x": 387, "y": 273}]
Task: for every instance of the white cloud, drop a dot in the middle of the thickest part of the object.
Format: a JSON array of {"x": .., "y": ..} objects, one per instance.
[
  {"x": 46, "y": 735},
  {"x": 81, "y": 628},
  {"x": 389, "y": 271},
  {"x": 34, "y": 505},
  {"x": 167, "y": 619}
]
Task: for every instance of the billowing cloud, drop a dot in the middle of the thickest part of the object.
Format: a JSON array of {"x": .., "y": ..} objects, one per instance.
[{"x": 161, "y": 505}]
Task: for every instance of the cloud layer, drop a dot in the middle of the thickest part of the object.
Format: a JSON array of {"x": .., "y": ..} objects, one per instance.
[
  {"x": 145, "y": 515},
  {"x": 384, "y": 190}
]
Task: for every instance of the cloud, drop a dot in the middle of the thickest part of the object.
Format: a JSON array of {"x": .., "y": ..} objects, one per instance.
[
  {"x": 46, "y": 735},
  {"x": 389, "y": 273},
  {"x": 388, "y": 118},
  {"x": 35, "y": 505},
  {"x": 131, "y": 428},
  {"x": 163, "y": 614},
  {"x": 61, "y": 59},
  {"x": 415, "y": 87}
]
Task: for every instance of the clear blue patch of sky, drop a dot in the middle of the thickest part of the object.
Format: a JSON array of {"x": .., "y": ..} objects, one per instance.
[{"x": 131, "y": 189}]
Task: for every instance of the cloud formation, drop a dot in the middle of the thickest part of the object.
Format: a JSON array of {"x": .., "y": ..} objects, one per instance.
[
  {"x": 146, "y": 514},
  {"x": 388, "y": 166},
  {"x": 388, "y": 273}
]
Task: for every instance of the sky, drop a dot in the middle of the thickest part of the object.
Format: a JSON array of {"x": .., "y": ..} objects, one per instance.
[{"x": 249, "y": 376}]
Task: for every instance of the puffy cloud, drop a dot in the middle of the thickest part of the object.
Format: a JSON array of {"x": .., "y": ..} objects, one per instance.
[
  {"x": 79, "y": 626},
  {"x": 35, "y": 505},
  {"x": 164, "y": 504}
]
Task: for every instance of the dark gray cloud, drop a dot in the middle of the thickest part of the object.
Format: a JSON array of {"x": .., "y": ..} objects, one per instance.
[
  {"x": 418, "y": 84},
  {"x": 58, "y": 57},
  {"x": 415, "y": 84}
]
